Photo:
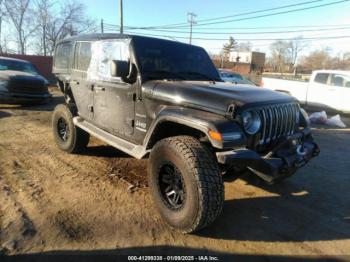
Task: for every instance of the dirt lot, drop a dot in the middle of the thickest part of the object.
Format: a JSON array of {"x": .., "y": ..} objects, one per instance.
[{"x": 53, "y": 201}]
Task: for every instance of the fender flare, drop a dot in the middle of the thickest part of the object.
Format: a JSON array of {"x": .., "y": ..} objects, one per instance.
[{"x": 202, "y": 121}]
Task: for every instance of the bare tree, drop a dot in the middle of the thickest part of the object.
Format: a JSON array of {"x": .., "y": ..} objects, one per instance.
[
  {"x": 19, "y": 12},
  {"x": 70, "y": 20},
  {"x": 296, "y": 46},
  {"x": 319, "y": 59},
  {"x": 43, "y": 16},
  {"x": 322, "y": 59},
  {"x": 3, "y": 16},
  {"x": 280, "y": 56}
]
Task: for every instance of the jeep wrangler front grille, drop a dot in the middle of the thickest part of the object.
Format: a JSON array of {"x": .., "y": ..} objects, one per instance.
[{"x": 277, "y": 121}]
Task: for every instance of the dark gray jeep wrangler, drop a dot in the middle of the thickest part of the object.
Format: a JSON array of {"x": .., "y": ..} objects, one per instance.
[{"x": 165, "y": 99}]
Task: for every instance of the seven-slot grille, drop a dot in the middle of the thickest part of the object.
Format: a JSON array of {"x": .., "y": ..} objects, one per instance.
[{"x": 278, "y": 121}]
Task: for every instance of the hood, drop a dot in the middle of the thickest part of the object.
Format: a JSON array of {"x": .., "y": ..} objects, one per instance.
[
  {"x": 23, "y": 82},
  {"x": 213, "y": 96}
]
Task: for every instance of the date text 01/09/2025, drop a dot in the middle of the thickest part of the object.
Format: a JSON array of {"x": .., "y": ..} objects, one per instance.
[{"x": 173, "y": 258}]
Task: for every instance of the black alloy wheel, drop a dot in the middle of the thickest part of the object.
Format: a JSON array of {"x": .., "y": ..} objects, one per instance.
[{"x": 171, "y": 186}]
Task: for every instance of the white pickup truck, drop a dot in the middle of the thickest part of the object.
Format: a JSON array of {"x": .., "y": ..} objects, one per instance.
[{"x": 327, "y": 89}]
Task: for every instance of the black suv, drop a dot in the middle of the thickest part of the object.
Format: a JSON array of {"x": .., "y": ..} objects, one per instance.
[{"x": 165, "y": 100}]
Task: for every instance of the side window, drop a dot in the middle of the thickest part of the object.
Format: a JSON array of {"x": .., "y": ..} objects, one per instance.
[
  {"x": 112, "y": 50},
  {"x": 82, "y": 56},
  {"x": 337, "y": 80},
  {"x": 321, "y": 78},
  {"x": 63, "y": 55}
]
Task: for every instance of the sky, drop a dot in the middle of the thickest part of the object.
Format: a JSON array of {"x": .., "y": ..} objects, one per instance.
[{"x": 141, "y": 13}]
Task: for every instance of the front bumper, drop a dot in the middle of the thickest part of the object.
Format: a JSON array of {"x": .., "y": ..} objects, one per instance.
[
  {"x": 288, "y": 156},
  {"x": 22, "y": 98}
]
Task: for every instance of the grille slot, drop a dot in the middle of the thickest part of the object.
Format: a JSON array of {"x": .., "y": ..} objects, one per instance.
[{"x": 277, "y": 121}]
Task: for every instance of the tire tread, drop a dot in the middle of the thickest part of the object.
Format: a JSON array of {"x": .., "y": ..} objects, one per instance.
[{"x": 207, "y": 175}]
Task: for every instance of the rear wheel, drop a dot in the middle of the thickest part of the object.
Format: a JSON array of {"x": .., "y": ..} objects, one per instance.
[
  {"x": 68, "y": 137},
  {"x": 185, "y": 183}
]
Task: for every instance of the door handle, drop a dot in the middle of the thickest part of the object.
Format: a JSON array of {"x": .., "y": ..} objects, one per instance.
[{"x": 98, "y": 88}]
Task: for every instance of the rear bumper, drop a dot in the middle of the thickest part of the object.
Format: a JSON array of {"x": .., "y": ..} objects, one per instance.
[
  {"x": 282, "y": 161},
  {"x": 20, "y": 98}
]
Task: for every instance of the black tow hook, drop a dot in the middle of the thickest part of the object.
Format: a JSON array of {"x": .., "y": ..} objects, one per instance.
[{"x": 301, "y": 150}]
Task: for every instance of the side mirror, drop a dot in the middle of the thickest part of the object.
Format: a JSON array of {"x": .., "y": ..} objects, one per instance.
[{"x": 119, "y": 68}]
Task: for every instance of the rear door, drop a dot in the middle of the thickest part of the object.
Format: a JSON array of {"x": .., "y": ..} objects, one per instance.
[
  {"x": 340, "y": 92},
  {"x": 114, "y": 105},
  {"x": 81, "y": 87}
]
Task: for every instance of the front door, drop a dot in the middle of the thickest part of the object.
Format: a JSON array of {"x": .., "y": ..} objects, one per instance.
[
  {"x": 318, "y": 91},
  {"x": 114, "y": 105}
]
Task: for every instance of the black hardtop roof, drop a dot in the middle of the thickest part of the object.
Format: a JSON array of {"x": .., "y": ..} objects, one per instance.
[
  {"x": 106, "y": 36},
  {"x": 94, "y": 37}
]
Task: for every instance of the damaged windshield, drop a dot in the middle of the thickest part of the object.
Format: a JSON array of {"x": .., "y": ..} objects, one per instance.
[{"x": 162, "y": 59}]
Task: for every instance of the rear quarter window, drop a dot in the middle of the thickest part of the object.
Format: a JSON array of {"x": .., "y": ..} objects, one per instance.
[
  {"x": 340, "y": 80},
  {"x": 63, "y": 55},
  {"x": 82, "y": 56}
]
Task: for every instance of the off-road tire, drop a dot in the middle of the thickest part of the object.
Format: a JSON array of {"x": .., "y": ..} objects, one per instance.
[
  {"x": 77, "y": 138},
  {"x": 201, "y": 178}
]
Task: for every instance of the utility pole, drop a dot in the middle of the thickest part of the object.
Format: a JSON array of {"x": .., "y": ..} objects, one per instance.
[
  {"x": 102, "y": 26},
  {"x": 190, "y": 20},
  {"x": 121, "y": 16}
]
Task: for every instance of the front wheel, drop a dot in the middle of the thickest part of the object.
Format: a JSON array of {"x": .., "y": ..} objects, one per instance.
[
  {"x": 68, "y": 137},
  {"x": 185, "y": 183}
]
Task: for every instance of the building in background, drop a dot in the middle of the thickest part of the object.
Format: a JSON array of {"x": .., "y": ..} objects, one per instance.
[{"x": 248, "y": 64}]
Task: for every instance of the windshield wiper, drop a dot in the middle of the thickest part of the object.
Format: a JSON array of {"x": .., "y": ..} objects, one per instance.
[{"x": 165, "y": 73}]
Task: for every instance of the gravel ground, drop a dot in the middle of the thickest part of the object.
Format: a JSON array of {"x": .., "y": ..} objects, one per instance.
[{"x": 98, "y": 202}]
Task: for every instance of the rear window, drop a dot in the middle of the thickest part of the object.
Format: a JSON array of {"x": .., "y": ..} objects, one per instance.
[
  {"x": 82, "y": 56},
  {"x": 321, "y": 78},
  {"x": 63, "y": 55},
  {"x": 340, "y": 80}
]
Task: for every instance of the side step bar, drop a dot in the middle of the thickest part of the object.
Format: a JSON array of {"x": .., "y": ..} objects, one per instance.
[{"x": 136, "y": 151}]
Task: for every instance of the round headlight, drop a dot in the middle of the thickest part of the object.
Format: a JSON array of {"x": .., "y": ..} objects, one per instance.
[{"x": 251, "y": 122}]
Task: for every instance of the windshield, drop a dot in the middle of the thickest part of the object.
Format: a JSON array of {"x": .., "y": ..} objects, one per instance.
[
  {"x": 161, "y": 59},
  {"x": 230, "y": 75},
  {"x": 14, "y": 65}
]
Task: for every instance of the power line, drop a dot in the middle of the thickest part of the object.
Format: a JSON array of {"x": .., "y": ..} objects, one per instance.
[
  {"x": 182, "y": 25},
  {"x": 269, "y": 15},
  {"x": 260, "y": 11},
  {"x": 252, "y": 28},
  {"x": 248, "y": 33},
  {"x": 239, "y": 14},
  {"x": 272, "y": 27},
  {"x": 246, "y": 39}
]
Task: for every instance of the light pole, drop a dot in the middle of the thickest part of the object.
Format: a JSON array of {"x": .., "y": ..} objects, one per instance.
[
  {"x": 190, "y": 20},
  {"x": 121, "y": 16}
]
